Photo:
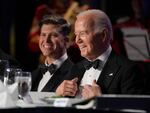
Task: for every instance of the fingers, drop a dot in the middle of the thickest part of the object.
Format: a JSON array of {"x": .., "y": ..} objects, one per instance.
[
  {"x": 94, "y": 83},
  {"x": 70, "y": 87},
  {"x": 75, "y": 80},
  {"x": 87, "y": 91},
  {"x": 67, "y": 88},
  {"x": 90, "y": 91},
  {"x": 96, "y": 88}
]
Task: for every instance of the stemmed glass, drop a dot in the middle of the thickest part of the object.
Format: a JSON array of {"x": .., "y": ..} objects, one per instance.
[
  {"x": 3, "y": 65},
  {"x": 24, "y": 83}
]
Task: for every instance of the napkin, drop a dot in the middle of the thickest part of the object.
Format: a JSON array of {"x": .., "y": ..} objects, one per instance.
[
  {"x": 13, "y": 91},
  {"x": 2, "y": 87},
  {"x": 8, "y": 95},
  {"x": 6, "y": 101}
]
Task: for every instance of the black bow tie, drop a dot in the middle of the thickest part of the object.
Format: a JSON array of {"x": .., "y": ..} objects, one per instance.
[
  {"x": 51, "y": 68},
  {"x": 95, "y": 64}
]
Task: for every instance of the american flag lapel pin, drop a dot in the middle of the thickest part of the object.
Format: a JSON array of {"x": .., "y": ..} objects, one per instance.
[{"x": 111, "y": 74}]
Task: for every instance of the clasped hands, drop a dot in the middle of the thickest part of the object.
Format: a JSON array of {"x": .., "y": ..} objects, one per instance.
[{"x": 70, "y": 88}]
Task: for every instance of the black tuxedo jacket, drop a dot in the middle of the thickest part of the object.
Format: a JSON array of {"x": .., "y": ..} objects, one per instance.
[
  {"x": 13, "y": 63},
  {"x": 119, "y": 76},
  {"x": 56, "y": 79}
]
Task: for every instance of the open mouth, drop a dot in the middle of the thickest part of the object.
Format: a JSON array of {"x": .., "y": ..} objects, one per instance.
[{"x": 82, "y": 47}]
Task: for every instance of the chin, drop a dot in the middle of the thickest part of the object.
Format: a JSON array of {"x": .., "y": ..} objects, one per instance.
[
  {"x": 83, "y": 55},
  {"x": 46, "y": 53}
]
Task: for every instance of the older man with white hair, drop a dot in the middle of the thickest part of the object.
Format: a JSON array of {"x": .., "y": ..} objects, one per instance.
[{"x": 103, "y": 71}]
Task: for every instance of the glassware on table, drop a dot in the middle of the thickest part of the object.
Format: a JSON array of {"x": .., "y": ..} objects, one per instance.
[
  {"x": 4, "y": 64},
  {"x": 9, "y": 76},
  {"x": 24, "y": 83}
]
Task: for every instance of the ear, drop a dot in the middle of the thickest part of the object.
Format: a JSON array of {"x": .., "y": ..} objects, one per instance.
[{"x": 105, "y": 34}]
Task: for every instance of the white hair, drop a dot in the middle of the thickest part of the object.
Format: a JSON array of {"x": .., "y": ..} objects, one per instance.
[{"x": 100, "y": 19}]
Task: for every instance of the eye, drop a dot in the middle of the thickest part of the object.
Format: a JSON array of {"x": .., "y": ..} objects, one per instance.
[
  {"x": 76, "y": 34},
  {"x": 42, "y": 35},
  {"x": 83, "y": 33},
  {"x": 54, "y": 34}
]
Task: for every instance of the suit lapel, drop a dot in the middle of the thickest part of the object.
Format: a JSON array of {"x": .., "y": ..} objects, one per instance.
[
  {"x": 109, "y": 71},
  {"x": 53, "y": 81}
]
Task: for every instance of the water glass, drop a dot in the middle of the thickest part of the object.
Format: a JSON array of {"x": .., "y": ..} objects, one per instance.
[
  {"x": 3, "y": 65},
  {"x": 9, "y": 76},
  {"x": 24, "y": 83}
]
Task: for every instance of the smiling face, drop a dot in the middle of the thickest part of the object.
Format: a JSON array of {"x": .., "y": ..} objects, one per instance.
[
  {"x": 91, "y": 40},
  {"x": 52, "y": 43}
]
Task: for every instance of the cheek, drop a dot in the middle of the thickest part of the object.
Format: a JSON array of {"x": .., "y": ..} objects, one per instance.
[
  {"x": 59, "y": 43},
  {"x": 40, "y": 43},
  {"x": 90, "y": 45},
  {"x": 90, "y": 48}
]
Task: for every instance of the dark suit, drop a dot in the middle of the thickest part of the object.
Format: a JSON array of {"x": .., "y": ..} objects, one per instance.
[
  {"x": 119, "y": 76},
  {"x": 12, "y": 61},
  {"x": 56, "y": 79}
]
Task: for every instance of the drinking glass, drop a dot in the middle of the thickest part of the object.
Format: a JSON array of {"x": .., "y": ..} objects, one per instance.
[
  {"x": 9, "y": 76},
  {"x": 24, "y": 83},
  {"x": 3, "y": 65}
]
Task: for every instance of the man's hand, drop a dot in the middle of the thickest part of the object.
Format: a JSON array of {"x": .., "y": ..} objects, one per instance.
[
  {"x": 90, "y": 91},
  {"x": 67, "y": 88}
]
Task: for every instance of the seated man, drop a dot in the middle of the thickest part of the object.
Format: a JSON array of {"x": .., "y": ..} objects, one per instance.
[
  {"x": 103, "y": 71},
  {"x": 52, "y": 43}
]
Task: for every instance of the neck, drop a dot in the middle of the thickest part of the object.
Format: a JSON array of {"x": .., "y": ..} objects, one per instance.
[{"x": 51, "y": 59}]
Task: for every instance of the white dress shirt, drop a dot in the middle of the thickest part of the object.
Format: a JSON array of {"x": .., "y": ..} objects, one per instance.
[
  {"x": 93, "y": 74},
  {"x": 47, "y": 76}
]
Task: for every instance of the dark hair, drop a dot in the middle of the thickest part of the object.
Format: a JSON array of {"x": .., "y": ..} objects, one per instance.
[{"x": 57, "y": 20}]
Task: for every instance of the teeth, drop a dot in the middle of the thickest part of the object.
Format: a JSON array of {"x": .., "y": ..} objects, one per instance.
[
  {"x": 81, "y": 47},
  {"x": 46, "y": 46}
]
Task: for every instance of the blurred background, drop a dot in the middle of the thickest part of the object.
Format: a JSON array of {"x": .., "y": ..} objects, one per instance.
[{"x": 19, "y": 23}]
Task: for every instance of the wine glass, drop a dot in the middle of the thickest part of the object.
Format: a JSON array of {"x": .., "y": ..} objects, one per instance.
[
  {"x": 24, "y": 83},
  {"x": 3, "y": 65},
  {"x": 9, "y": 76}
]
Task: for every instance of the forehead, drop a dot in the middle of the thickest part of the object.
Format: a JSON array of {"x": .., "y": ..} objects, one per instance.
[
  {"x": 84, "y": 22},
  {"x": 49, "y": 27}
]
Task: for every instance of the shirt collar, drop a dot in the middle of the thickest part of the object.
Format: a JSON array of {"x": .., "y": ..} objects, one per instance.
[
  {"x": 59, "y": 61},
  {"x": 104, "y": 56}
]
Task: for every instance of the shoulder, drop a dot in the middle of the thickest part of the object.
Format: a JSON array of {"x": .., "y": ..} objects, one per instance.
[
  {"x": 67, "y": 64},
  {"x": 12, "y": 61},
  {"x": 120, "y": 59},
  {"x": 36, "y": 73}
]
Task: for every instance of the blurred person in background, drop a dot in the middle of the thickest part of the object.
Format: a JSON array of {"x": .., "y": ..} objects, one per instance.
[{"x": 133, "y": 17}]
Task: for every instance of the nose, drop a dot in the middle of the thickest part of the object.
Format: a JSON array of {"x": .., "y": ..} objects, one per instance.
[
  {"x": 48, "y": 38},
  {"x": 78, "y": 39}
]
